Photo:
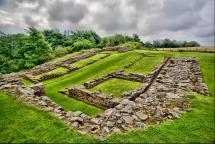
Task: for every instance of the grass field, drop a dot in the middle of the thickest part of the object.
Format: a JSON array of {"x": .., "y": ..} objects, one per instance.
[
  {"x": 191, "y": 49},
  {"x": 145, "y": 65},
  {"x": 83, "y": 62},
  {"x": 116, "y": 87},
  {"x": 57, "y": 70},
  {"x": 22, "y": 123}
]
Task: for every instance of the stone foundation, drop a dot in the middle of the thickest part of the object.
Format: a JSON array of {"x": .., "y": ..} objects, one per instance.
[
  {"x": 163, "y": 97},
  {"x": 95, "y": 99}
]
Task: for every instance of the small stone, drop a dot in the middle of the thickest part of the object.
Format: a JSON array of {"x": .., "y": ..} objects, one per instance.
[
  {"x": 125, "y": 102},
  {"x": 128, "y": 119},
  {"x": 116, "y": 130},
  {"x": 75, "y": 125},
  {"x": 119, "y": 121},
  {"x": 42, "y": 103},
  {"x": 69, "y": 114},
  {"x": 119, "y": 106},
  {"x": 77, "y": 113},
  {"x": 141, "y": 115},
  {"x": 110, "y": 124},
  {"x": 77, "y": 119}
]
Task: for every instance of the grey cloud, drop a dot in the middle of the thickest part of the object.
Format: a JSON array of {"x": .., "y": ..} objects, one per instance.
[
  {"x": 175, "y": 19},
  {"x": 62, "y": 11}
]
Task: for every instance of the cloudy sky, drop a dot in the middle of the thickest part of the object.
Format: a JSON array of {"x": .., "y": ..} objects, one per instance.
[{"x": 150, "y": 19}]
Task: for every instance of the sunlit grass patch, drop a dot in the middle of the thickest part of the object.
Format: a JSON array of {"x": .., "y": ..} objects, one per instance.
[
  {"x": 116, "y": 86},
  {"x": 57, "y": 70},
  {"x": 84, "y": 62}
]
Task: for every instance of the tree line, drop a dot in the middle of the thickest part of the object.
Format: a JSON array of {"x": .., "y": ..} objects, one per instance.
[{"x": 24, "y": 51}]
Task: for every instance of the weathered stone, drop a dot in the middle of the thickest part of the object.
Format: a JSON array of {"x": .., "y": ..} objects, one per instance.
[
  {"x": 110, "y": 123},
  {"x": 77, "y": 119},
  {"x": 75, "y": 124},
  {"x": 141, "y": 115},
  {"x": 128, "y": 119}
]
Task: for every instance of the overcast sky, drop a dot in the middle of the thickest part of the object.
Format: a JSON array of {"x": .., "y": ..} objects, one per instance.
[{"x": 150, "y": 19}]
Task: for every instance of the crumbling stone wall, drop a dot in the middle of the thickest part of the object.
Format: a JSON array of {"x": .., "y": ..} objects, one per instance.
[
  {"x": 46, "y": 67},
  {"x": 118, "y": 74},
  {"x": 96, "y": 99},
  {"x": 12, "y": 78},
  {"x": 164, "y": 99},
  {"x": 133, "y": 62},
  {"x": 148, "y": 80}
]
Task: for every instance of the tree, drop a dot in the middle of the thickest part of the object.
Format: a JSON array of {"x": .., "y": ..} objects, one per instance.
[{"x": 82, "y": 44}]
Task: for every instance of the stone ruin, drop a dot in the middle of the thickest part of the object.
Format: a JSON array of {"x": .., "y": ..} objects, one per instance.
[
  {"x": 161, "y": 97},
  {"x": 46, "y": 67},
  {"x": 133, "y": 62}
]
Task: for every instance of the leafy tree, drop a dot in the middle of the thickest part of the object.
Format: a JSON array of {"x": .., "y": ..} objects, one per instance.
[{"x": 82, "y": 44}]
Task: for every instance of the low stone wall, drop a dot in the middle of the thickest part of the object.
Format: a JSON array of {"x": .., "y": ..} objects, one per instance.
[
  {"x": 96, "y": 99},
  {"x": 130, "y": 76},
  {"x": 12, "y": 78},
  {"x": 148, "y": 80},
  {"x": 133, "y": 62},
  {"x": 118, "y": 74},
  {"x": 119, "y": 49},
  {"x": 46, "y": 67},
  {"x": 164, "y": 99}
]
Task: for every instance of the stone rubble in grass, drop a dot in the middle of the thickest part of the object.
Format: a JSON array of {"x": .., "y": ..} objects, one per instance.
[{"x": 162, "y": 98}]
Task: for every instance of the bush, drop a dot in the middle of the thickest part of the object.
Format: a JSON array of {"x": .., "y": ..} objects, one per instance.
[
  {"x": 60, "y": 51},
  {"x": 82, "y": 44},
  {"x": 133, "y": 45}
]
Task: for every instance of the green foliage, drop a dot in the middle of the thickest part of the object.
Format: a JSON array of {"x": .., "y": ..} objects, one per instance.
[
  {"x": 82, "y": 44},
  {"x": 167, "y": 43},
  {"x": 86, "y": 35},
  {"x": 117, "y": 40},
  {"x": 131, "y": 44},
  {"x": 60, "y": 51},
  {"x": 20, "y": 52}
]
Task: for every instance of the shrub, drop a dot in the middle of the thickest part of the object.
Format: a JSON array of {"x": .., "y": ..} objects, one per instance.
[
  {"x": 60, "y": 51},
  {"x": 82, "y": 44},
  {"x": 133, "y": 45}
]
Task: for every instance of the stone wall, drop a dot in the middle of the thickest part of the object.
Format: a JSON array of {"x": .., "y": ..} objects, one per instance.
[
  {"x": 96, "y": 99},
  {"x": 164, "y": 99},
  {"x": 148, "y": 80},
  {"x": 133, "y": 62},
  {"x": 12, "y": 78},
  {"x": 46, "y": 67},
  {"x": 118, "y": 74}
]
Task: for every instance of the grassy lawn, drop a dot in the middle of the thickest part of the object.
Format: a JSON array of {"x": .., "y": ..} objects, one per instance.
[
  {"x": 110, "y": 64},
  {"x": 57, "y": 70},
  {"x": 116, "y": 86},
  {"x": 68, "y": 56},
  {"x": 20, "y": 123},
  {"x": 145, "y": 65},
  {"x": 83, "y": 62},
  {"x": 195, "y": 126}
]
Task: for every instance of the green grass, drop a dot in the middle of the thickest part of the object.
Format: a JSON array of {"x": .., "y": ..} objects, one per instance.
[
  {"x": 27, "y": 82},
  {"x": 110, "y": 64},
  {"x": 83, "y": 62},
  {"x": 116, "y": 87},
  {"x": 20, "y": 123},
  {"x": 57, "y": 70},
  {"x": 68, "y": 56},
  {"x": 145, "y": 65},
  {"x": 195, "y": 126}
]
